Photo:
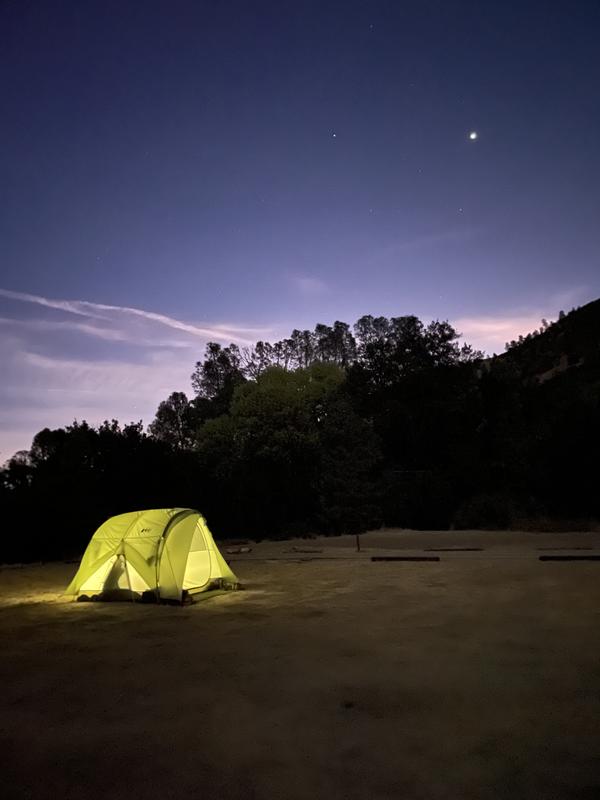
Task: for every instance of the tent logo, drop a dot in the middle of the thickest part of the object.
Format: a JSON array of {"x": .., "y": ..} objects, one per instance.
[{"x": 145, "y": 530}]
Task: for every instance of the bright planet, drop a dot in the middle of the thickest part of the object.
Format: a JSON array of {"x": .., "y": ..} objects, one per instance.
[{"x": 473, "y": 135}]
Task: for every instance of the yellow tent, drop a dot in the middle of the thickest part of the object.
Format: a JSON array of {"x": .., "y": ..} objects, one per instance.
[{"x": 161, "y": 554}]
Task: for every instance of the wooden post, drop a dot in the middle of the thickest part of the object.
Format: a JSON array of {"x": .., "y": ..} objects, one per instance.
[{"x": 357, "y": 543}]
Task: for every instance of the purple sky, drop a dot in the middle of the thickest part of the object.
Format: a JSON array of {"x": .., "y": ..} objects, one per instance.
[{"x": 175, "y": 172}]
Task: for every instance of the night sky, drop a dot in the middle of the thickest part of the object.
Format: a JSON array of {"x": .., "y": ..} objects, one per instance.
[{"x": 175, "y": 172}]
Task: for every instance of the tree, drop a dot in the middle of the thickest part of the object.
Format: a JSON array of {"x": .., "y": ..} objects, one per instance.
[
  {"x": 349, "y": 460},
  {"x": 303, "y": 344},
  {"x": 336, "y": 345},
  {"x": 332, "y": 431},
  {"x": 76, "y": 477},
  {"x": 270, "y": 454},
  {"x": 391, "y": 349},
  {"x": 216, "y": 377},
  {"x": 255, "y": 360},
  {"x": 174, "y": 422}
]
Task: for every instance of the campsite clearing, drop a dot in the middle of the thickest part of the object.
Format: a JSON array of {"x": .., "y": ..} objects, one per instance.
[{"x": 330, "y": 676}]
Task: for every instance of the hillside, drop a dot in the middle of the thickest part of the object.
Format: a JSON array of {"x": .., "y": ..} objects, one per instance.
[{"x": 573, "y": 341}]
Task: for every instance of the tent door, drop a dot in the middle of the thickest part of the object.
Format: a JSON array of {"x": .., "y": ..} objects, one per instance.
[
  {"x": 118, "y": 577},
  {"x": 198, "y": 567},
  {"x": 124, "y": 577}
]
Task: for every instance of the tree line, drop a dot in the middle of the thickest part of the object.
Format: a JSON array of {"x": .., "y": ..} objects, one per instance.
[{"x": 339, "y": 429}]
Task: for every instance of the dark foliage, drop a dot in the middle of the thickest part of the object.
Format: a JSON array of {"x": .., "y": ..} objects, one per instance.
[
  {"x": 337, "y": 430},
  {"x": 71, "y": 480}
]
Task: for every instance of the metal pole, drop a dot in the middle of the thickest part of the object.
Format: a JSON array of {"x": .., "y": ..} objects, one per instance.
[{"x": 124, "y": 557}]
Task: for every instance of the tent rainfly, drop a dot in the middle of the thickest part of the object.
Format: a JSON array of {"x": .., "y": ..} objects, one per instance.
[{"x": 163, "y": 554}]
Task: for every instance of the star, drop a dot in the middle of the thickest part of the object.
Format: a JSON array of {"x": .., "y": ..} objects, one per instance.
[{"x": 473, "y": 135}]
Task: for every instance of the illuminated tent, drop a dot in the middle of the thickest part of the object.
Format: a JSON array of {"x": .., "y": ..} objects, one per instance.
[{"x": 163, "y": 554}]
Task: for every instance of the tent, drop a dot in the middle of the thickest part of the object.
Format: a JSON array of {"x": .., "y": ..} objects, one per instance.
[{"x": 162, "y": 555}]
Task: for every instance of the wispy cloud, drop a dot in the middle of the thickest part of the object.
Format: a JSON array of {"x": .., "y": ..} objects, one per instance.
[
  {"x": 71, "y": 306},
  {"x": 111, "y": 334},
  {"x": 55, "y": 365},
  {"x": 491, "y": 332},
  {"x": 103, "y": 311},
  {"x": 423, "y": 241},
  {"x": 240, "y": 329},
  {"x": 109, "y": 378},
  {"x": 45, "y": 391},
  {"x": 309, "y": 285}
]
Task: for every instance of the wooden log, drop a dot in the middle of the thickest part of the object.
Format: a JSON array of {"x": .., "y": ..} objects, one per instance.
[
  {"x": 452, "y": 549},
  {"x": 569, "y": 558},
  {"x": 405, "y": 558}
]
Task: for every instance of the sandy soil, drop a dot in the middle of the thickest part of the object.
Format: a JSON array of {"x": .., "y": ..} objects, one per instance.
[{"x": 335, "y": 677}]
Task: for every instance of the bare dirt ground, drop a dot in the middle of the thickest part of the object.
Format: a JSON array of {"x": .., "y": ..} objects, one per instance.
[{"x": 330, "y": 677}]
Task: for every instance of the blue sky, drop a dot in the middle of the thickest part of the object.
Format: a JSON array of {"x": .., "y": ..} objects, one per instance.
[{"x": 172, "y": 173}]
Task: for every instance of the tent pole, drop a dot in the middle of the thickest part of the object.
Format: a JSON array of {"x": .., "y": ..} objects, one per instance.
[
  {"x": 158, "y": 557},
  {"x": 124, "y": 557}
]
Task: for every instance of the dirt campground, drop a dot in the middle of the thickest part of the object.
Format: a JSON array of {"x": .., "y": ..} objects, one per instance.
[{"x": 329, "y": 676}]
